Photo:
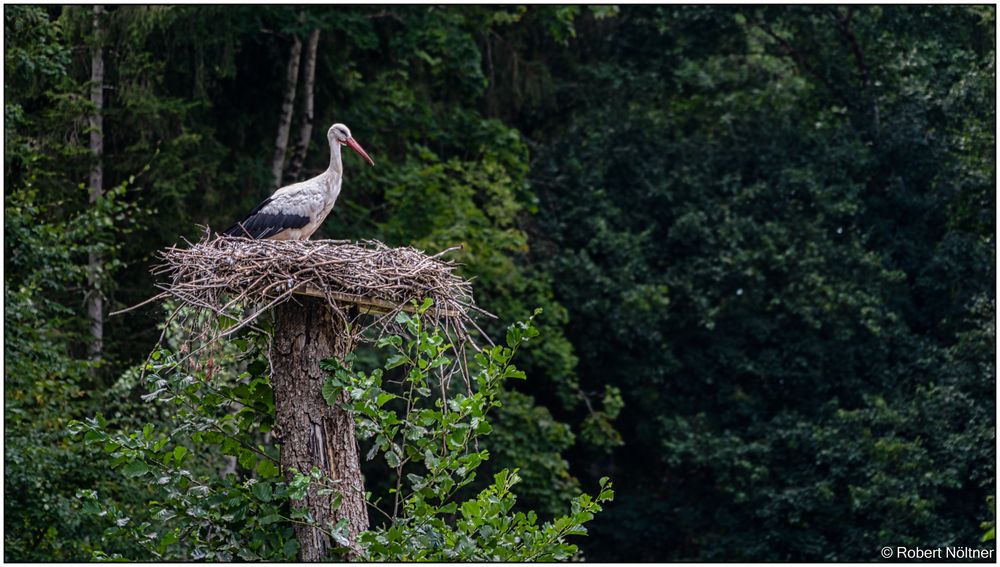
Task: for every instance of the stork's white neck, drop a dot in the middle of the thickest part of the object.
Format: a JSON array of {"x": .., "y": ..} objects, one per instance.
[{"x": 336, "y": 164}]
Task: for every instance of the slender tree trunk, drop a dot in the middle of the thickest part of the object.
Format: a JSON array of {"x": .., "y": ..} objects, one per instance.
[
  {"x": 306, "y": 123},
  {"x": 95, "y": 301},
  {"x": 843, "y": 20},
  {"x": 287, "y": 107},
  {"x": 311, "y": 432}
]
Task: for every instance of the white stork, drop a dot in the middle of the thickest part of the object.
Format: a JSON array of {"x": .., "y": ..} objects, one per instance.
[{"x": 295, "y": 211}]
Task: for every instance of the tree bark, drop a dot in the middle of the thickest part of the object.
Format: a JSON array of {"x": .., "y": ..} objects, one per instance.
[
  {"x": 95, "y": 301},
  {"x": 306, "y": 124},
  {"x": 287, "y": 106},
  {"x": 312, "y": 433}
]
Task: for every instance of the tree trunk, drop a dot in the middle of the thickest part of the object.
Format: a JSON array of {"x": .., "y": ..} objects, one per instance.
[
  {"x": 95, "y": 302},
  {"x": 312, "y": 433},
  {"x": 306, "y": 124},
  {"x": 287, "y": 106},
  {"x": 843, "y": 20}
]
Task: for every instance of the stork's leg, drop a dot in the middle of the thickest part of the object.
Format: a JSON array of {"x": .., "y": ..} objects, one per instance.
[{"x": 309, "y": 229}]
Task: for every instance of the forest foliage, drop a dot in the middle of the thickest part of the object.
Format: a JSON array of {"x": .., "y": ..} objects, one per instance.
[{"x": 762, "y": 240}]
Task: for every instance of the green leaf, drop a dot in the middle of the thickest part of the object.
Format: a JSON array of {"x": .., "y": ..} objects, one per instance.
[
  {"x": 134, "y": 469},
  {"x": 226, "y": 322},
  {"x": 470, "y": 510},
  {"x": 394, "y": 340},
  {"x": 392, "y": 458},
  {"x": 395, "y": 360},
  {"x": 163, "y": 441},
  {"x": 263, "y": 490},
  {"x": 247, "y": 459},
  {"x": 330, "y": 364},
  {"x": 179, "y": 452},
  {"x": 267, "y": 469},
  {"x": 511, "y": 372},
  {"x": 331, "y": 392},
  {"x": 513, "y": 336},
  {"x": 298, "y": 487},
  {"x": 269, "y": 519}
]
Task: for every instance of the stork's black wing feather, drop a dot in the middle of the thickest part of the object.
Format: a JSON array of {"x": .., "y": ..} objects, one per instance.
[{"x": 262, "y": 225}]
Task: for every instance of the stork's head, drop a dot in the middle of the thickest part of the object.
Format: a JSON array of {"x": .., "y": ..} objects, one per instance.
[{"x": 340, "y": 134}]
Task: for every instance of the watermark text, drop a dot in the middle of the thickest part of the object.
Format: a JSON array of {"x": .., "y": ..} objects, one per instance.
[{"x": 940, "y": 553}]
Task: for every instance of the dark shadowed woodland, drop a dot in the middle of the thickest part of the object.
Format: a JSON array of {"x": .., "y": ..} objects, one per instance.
[{"x": 761, "y": 240}]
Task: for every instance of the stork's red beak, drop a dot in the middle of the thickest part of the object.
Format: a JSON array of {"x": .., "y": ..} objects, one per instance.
[{"x": 354, "y": 145}]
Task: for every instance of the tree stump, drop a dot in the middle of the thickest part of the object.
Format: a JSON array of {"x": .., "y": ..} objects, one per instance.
[{"x": 312, "y": 433}]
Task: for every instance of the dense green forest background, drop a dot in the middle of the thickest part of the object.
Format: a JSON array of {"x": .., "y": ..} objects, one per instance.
[{"x": 762, "y": 239}]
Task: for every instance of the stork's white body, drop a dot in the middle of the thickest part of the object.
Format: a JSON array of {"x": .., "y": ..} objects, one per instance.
[
  {"x": 294, "y": 212},
  {"x": 313, "y": 198}
]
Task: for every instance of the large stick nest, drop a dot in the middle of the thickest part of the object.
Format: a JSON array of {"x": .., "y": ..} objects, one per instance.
[{"x": 238, "y": 279}]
